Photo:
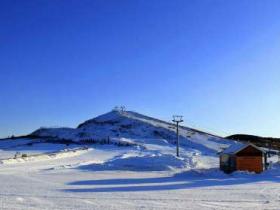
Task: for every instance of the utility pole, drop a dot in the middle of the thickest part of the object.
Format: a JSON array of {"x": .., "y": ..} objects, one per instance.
[{"x": 177, "y": 119}]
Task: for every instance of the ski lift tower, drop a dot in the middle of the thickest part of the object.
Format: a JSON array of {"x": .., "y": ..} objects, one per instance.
[{"x": 177, "y": 119}]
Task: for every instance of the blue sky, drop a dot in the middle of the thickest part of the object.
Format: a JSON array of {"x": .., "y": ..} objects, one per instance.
[{"x": 216, "y": 62}]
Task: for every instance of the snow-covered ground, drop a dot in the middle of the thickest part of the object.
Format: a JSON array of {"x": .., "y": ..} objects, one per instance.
[
  {"x": 112, "y": 177},
  {"x": 136, "y": 169}
]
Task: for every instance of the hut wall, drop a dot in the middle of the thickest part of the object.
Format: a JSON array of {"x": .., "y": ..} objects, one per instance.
[{"x": 249, "y": 163}]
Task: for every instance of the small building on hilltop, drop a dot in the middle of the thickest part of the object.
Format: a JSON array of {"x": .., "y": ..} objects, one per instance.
[{"x": 243, "y": 157}]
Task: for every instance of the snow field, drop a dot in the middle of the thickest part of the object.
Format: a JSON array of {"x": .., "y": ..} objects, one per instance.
[{"x": 137, "y": 170}]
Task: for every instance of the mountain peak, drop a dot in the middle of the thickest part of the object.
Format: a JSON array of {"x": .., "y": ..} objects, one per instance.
[{"x": 109, "y": 117}]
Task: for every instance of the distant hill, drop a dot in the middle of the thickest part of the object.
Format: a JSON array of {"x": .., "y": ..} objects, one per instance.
[
  {"x": 120, "y": 126},
  {"x": 257, "y": 140}
]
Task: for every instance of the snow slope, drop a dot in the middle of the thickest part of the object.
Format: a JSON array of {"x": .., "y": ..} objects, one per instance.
[
  {"x": 131, "y": 125},
  {"x": 151, "y": 142}
]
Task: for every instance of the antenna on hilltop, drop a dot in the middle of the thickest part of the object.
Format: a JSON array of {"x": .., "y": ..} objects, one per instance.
[
  {"x": 122, "y": 109},
  {"x": 119, "y": 109}
]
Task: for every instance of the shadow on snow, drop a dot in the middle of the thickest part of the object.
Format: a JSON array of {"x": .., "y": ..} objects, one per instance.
[{"x": 184, "y": 180}]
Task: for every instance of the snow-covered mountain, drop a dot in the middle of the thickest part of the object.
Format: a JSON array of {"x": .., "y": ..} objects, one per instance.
[{"x": 131, "y": 125}]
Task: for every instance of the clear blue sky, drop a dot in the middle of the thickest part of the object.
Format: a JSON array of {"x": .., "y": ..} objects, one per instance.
[{"x": 216, "y": 62}]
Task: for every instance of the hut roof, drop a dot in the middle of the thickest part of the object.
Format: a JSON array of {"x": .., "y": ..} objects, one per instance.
[{"x": 235, "y": 148}]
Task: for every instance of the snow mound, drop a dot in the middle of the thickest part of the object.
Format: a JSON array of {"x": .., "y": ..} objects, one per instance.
[
  {"x": 48, "y": 156},
  {"x": 61, "y": 133},
  {"x": 141, "y": 162}
]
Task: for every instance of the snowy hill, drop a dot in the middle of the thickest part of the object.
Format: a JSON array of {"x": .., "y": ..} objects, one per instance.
[
  {"x": 137, "y": 142},
  {"x": 131, "y": 125}
]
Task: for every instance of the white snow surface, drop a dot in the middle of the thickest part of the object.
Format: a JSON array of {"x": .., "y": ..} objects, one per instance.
[
  {"x": 112, "y": 177},
  {"x": 137, "y": 170}
]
